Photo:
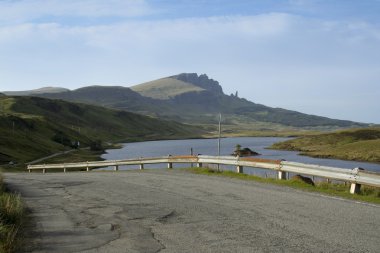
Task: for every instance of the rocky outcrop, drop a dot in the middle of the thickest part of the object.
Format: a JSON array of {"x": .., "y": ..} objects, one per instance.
[
  {"x": 201, "y": 81},
  {"x": 245, "y": 152}
]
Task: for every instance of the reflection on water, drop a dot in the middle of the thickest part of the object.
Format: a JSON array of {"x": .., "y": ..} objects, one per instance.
[{"x": 209, "y": 147}]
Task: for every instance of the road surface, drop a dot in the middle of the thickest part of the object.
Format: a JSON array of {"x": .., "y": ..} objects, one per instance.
[{"x": 176, "y": 211}]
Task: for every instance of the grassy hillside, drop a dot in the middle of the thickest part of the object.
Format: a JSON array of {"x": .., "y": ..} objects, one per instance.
[
  {"x": 33, "y": 127},
  {"x": 359, "y": 145},
  {"x": 165, "y": 88}
]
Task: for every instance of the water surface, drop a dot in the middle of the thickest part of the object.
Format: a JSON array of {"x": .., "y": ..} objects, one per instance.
[{"x": 210, "y": 147}]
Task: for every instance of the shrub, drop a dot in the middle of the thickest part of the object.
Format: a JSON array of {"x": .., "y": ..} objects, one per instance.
[{"x": 96, "y": 145}]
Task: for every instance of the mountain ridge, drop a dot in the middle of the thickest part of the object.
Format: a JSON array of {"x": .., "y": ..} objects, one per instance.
[
  {"x": 42, "y": 90},
  {"x": 197, "y": 105}
]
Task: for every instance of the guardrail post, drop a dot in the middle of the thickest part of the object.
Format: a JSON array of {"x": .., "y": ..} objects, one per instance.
[
  {"x": 239, "y": 169},
  {"x": 282, "y": 175},
  {"x": 199, "y": 165},
  {"x": 170, "y": 165},
  {"x": 355, "y": 187},
  {"x": 64, "y": 169},
  {"x": 87, "y": 168},
  {"x": 44, "y": 171},
  {"x": 116, "y": 167},
  {"x": 141, "y": 166}
]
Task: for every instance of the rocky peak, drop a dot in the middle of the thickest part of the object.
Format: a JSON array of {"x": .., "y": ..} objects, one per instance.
[{"x": 202, "y": 81}]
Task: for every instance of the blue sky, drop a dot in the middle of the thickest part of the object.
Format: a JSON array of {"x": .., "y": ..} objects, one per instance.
[{"x": 315, "y": 56}]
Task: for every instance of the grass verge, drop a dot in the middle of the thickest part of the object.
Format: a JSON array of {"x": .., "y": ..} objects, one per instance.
[
  {"x": 353, "y": 145},
  {"x": 367, "y": 194},
  {"x": 11, "y": 218}
]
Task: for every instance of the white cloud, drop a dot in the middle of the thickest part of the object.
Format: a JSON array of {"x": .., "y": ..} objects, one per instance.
[
  {"x": 274, "y": 59},
  {"x": 28, "y": 10}
]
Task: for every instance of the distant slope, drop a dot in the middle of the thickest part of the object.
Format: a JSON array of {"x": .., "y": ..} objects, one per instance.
[
  {"x": 35, "y": 92},
  {"x": 31, "y": 127},
  {"x": 360, "y": 145},
  {"x": 197, "y": 99},
  {"x": 165, "y": 88},
  {"x": 102, "y": 95}
]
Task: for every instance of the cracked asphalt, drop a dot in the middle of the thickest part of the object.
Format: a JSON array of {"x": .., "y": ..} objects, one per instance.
[{"x": 176, "y": 211}]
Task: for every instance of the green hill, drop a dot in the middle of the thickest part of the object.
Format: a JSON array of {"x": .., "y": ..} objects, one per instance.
[
  {"x": 165, "y": 88},
  {"x": 32, "y": 127},
  {"x": 359, "y": 144}
]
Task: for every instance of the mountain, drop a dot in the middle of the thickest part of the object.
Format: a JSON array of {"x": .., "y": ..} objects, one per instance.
[
  {"x": 32, "y": 127},
  {"x": 197, "y": 99},
  {"x": 35, "y": 92}
]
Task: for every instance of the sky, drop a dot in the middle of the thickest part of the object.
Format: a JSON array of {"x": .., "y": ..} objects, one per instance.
[{"x": 319, "y": 57}]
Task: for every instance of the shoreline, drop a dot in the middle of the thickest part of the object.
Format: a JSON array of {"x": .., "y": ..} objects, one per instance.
[{"x": 304, "y": 153}]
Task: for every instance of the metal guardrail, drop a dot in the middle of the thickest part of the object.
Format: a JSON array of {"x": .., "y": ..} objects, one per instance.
[{"x": 356, "y": 176}]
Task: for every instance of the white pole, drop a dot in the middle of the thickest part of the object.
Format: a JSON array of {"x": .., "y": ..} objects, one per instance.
[{"x": 220, "y": 120}]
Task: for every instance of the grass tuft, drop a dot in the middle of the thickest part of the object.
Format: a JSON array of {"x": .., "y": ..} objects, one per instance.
[
  {"x": 11, "y": 208},
  {"x": 11, "y": 218}
]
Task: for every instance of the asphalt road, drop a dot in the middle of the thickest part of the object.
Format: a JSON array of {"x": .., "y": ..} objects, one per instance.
[{"x": 175, "y": 211}]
